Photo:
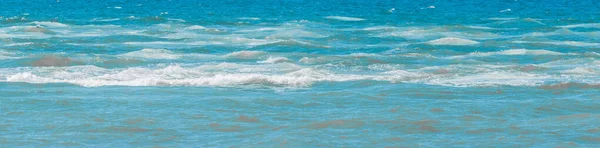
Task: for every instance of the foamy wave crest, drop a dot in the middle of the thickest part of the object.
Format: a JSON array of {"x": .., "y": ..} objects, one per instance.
[
  {"x": 272, "y": 60},
  {"x": 493, "y": 79},
  {"x": 90, "y": 76},
  {"x": 152, "y": 54},
  {"x": 589, "y": 25},
  {"x": 563, "y": 43},
  {"x": 245, "y": 54},
  {"x": 345, "y": 18},
  {"x": 194, "y": 27},
  {"x": 511, "y": 52},
  {"x": 580, "y": 70},
  {"x": 50, "y": 24},
  {"x": 452, "y": 41},
  {"x": 285, "y": 75},
  {"x": 149, "y": 53}
]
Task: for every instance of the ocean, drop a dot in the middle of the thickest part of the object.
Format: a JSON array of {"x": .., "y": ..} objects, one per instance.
[{"x": 299, "y": 73}]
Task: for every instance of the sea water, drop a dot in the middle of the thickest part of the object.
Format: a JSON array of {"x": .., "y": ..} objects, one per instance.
[{"x": 299, "y": 73}]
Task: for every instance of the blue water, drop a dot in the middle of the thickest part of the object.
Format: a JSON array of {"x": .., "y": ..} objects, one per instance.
[{"x": 299, "y": 73}]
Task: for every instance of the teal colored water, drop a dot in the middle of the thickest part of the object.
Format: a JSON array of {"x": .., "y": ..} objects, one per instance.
[{"x": 299, "y": 73}]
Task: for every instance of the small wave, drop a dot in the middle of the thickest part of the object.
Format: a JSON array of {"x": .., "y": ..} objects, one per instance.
[
  {"x": 376, "y": 28},
  {"x": 569, "y": 85},
  {"x": 20, "y": 44},
  {"x": 452, "y": 41},
  {"x": 502, "y": 19},
  {"x": 261, "y": 29},
  {"x": 295, "y": 43},
  {"x": 249, "y": 18},
  {"x": 194, "y": 27},
  {"x": 7, "y": 55},
  {"x": 511, "y": 52},
  {"x": 105, "y": 20},
  {"x": 345, "y": 18},
  {"x": 505, "y": 10},
  {"x": 245, "y": 54},
  {"x": 490, "y": 28},
  {"x": 164, "y": 44},
  {"x": 89, "y": 76},
  {"x": 588, "y": 25},
  {"x": 50, "y": 24},
  {"x": 562, "y": 43},
  {"x": 269, "y": 75},
  {"x": 294, "y": 33},
  {"x": 493, "y": 79},
  {"x": 273, "y": 60},
  {"x": 580, "y": 70},
  {"x": 152, "y": 54}
]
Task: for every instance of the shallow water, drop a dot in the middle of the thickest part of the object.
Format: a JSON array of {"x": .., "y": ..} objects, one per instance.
[{"x": 299, "y": 74}]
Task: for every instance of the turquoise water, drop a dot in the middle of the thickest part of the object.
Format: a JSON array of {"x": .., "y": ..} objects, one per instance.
[{"x": 299, "y": 73}]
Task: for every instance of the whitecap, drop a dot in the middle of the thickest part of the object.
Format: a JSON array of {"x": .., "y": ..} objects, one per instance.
[
  {"x": 580, "y": 70},
  {"x": 273, "y": 60},
  {"x": 20, "y": 44},
  {"x": 105, "y": 20},
  {"x": 344, "y": 18},
  {"x": 510, "y": 52},
  {"x": 588, "y": 25},
  {"x": 245, "y": 54},
  {"x": 505, "y": 10},
  {"x": 492, "y": 79},
  {"x": 562, "y": 43},
  {"x": 501, "y": 19},
  {"x": 50, "y": 24},
  {"x": 152, "y": 54},
  {"x": 194, "y": 27},
  {"x": 490, "y": 28},
  {"x": 249, "y": 18},
  {"x": 452, "y": 41},
  {"x": 376, "y": 28}
]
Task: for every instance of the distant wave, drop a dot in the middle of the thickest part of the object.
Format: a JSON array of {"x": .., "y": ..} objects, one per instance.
[
  {"x": 345, "y": 18},
  {"x": 511, "y": 52},
  {"x": 452, "y": 41}
]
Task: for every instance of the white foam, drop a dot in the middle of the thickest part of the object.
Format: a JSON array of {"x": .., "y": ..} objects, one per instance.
[
  {"x": 175, "y": 19},
  {"x": 422, "y": 33},
  {"x": 505, "y": 10},
  {"x": 195, "y": 27},
  {"x": 7, "y": 55},
  {"x": 502, "y": 19},
  {"x": 261, "y": 29},
  {"x": 20, "y": 44},
  {"x": 492, "y": 79},
  {"x": 89, "y": 76},
  {"x": 50, "y": 24},
  {"x": 245, "y": 54},
  {"x": 345, "y": 18},
  {"x": 105, "y": 20},
  {"x": 490, "y": 28},
  {"x": 274, "y": 75},
  {"x": 580, "y": 70},
  {"x": 294, "y": 33},
  {"x": 563, "y": 43},
  {"x": 452, "y": 41},
  {"x": 273, "y": 60},
  {"x": 164, "y": 44},
  {"x": 152, "y": 54},
  {"x": 380, "y": 28},
  {"x": 588, "y": 25},
  {"x": 511, "y": 52},
  {"x": 249, "y": 18}
]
